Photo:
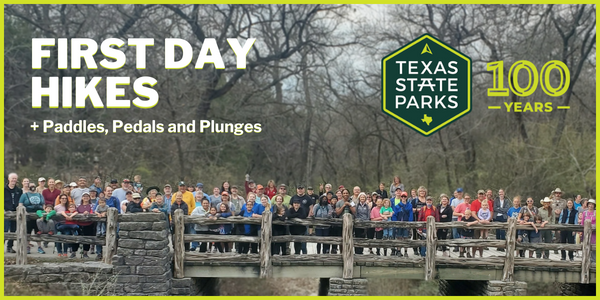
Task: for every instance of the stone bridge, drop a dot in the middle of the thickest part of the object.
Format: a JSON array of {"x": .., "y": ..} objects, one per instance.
[{"x": 141, "y": 260}]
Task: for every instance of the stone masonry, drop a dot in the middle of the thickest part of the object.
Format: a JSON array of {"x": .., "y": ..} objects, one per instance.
[
  {"x": 502, "y": 288},
  {"x": 88, "y": 278},
  {"x": 348, "y": 287},
  {"x": 143, "y": 261}
]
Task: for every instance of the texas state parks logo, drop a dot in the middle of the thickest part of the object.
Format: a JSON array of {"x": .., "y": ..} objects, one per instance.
[{"x": 426, "y": 84}]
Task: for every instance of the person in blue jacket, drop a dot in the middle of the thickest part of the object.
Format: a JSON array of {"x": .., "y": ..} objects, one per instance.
[
  {"x": 224, "y": 229},
  {"x": 402, "y": 212},
  {"x": 249, "y": 230}
]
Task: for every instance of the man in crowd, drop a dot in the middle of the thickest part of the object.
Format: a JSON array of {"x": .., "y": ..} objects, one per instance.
[
  {"x": 355, "y": 193},
  {"x": 249, "y": 185},
  {"x": 283, "y": 192},
  {"x": 502, "y": 205},
  {"x": 167, "y": 197},
  {"x": 312, "y": 195},
  {"x": 237, "y": 200},
  {"x": 188, "y": 197},
  {"x": 120, "y": 192},
  {"x": 111, "y": 200},
  {"x": 307, "y": 205},
  {"x": 458, "y": 199},
  {"x": 96, "y": 186},
  {"x": 12, "y": 194},
  {"x": 260, "y": 191},
  {"x": 200, "y": 190},
  {"x": 215, "y": 198},
  {"x": 558, "y": 204},
  {"x": 323, "y": 190},
  {"x": 78, "y": 191},
  {"x": 114, "y": 184}
]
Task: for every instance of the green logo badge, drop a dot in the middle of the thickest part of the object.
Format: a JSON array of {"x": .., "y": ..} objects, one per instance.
[{"x": 426, "y": 84}]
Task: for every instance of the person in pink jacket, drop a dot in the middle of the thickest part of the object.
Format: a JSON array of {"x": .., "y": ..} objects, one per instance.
[{"x": 590, "y": 214}]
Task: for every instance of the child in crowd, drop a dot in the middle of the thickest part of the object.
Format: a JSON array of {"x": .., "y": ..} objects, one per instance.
[
  {"x": 386, "y": 213},
  {"x": 466, "y": 233},
  {"x": 485, "y": 216},
  {"x": 215, "y": 229},
  {"x": 523, "y": 236},
  {"x": 69, "y": 227},
  {"x": 100, "y": 211},
  {"x": 535, "y": 236},
  {"x": 44, "y": 224},
  {"x": 137, "y": 184}
]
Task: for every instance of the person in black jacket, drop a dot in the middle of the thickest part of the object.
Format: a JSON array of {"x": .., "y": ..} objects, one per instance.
[
  {"x": 179, "y": 204},
  {"x": 445, "y": 216},
  {"x": 297, "y": 212},
  {"x": 136, "y": 205},
  {"x": 278, "y": 230},
  {"x": 12, "y": 194}
]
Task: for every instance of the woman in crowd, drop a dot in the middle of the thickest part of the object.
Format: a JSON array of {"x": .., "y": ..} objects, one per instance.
[
  {"x": 445, "y": 211},
  {"x": 418, "y": 203},
  {"x": 69, "y": 227},
  {"x": 225, "y": 187},
  {"x": 363, "y": 213},
  {"x": 396, "y": 184},
  {"x": 147, "y": 202},
  {"x": 377, "y": 232},
  {"x": 322, "y": 210},
  {"x": 87, "y": 228},
  {"x": 202, "y": 210},
  {"x": 224, "y": 229},
  {"x": 424, "y": 212},
  {"x": 590, "y": 214},
  {"x": 278, "y": 230},
  {"x": 179, "y": 204},
  {"x": 567, "y": 216},
  {"x": 271, "y": 189},
  {"x": 248, "y": 230},
  {"x": 529, "y": 208}
]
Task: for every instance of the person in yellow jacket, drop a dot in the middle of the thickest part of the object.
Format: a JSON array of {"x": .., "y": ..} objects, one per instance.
[{"x": 188, "y": 197}]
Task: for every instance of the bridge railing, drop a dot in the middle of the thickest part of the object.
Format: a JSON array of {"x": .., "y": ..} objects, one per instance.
[
  {"x": 22, "y": 237},
  {"x": 348, "y": 241}
]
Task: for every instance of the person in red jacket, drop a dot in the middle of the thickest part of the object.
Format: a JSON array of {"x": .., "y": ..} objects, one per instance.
[{"x": 424, "y": 212}]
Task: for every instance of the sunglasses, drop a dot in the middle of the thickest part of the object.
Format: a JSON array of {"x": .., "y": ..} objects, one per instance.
[{"x": 403, "y": 197}]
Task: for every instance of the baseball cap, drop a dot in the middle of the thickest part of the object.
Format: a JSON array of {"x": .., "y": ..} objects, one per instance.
[
  {"x": 224, "y": 193},
  {"x": 94, "y": 190},
  {"x": 85, "y": 193},
  {"x": 300, "y": 186},
  {"x": 459, "y": 190},
  {"x": 404, "y": 194},
  {"x": 167, "y": 185},
  {"x": 557, "y": 190},
  {"x": 73, "y": 184},
  {"x": 481, "y": 192},
  {"x": 199, "y": 184},
  {"x": 126, "y": 180},
  {"x": 260, "y": 187},
  {"x": 114, "y": 181},
  {"x": 310, "y": 188},
  {"x": 58, "y": 181},
  {"x": 136, "y": 195},
  {"x": 283, "y": 185},
  {"x": 128, "y": 192},
  {"x": 181, "y": 183},
  {"x": 41, "y": 179}
]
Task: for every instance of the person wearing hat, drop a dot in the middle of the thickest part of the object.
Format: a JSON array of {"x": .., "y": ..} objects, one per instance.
[
  {"x": 558, "y": 203},
  {"x": 114, "y": 184},
  {"x": 151, "y": 197},
  {"x": 33, "y": 202},
  {"x": 120, "y": 192},
  {"x": 128, "y": 199},
  {"x": 200, "y": 189},
  {"x": 500, "y": 208},
  {"x": 41, "y": 185},
  {"x": 260, "y": 191},
  {"x": 311, "y": 193},
  {"x": 547, "y": 215},
  {"x": 93, "y": 197},
  {"x": 87, "y": 228},
  {"x": 590, "y": 214},
  {"x": 51, "y": 192},
  {"x": 58, "y": 184},
  {"x": 187, "y": 197},
  {"x": 168, "y": 194},
  {"x": 79, "y": 189},
  {"x": 135, "y": 206},
  {"x": 283, "y": 192}
]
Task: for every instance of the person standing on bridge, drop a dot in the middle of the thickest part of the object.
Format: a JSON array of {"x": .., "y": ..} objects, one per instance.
[
  {"x": 12, "y": 195},
  {"x": 458, "y": 199},
  {"x": 403, "y": 212},
  {"x": 502, "y": 205},
  {"x": 335, "y": 230},
  {"x": 322, "y": 210},
  {"x": 307, "y": 205},
  {"x": 297, "y": 212},
  {"x": 558, "y": 205},
  {"x": 418, "y": 203},
  {"x": 567, "y": 216},
  {"x": 363, "y": 214},
  {"x": 547, "y": 216},
  {"x": 424, "y": 212},
  {"x": 445, "y": 211},
  {"x": 590, "y": 214},
  {"x": 33, "y": 202},
  {"x": 179, "y": 204}
]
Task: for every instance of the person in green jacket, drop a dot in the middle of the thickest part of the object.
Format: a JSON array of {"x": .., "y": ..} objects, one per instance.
[{"x": 44, "y": 223}]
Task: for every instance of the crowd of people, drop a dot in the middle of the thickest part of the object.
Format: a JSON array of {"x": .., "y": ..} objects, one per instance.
[{"x": 252, "y": 200}]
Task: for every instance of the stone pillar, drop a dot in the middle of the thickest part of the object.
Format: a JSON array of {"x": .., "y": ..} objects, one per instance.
[
  {"x": 502, "y": 288},
  {"x": 348, "y": 287},
  {"x": 143, "y": 260}
]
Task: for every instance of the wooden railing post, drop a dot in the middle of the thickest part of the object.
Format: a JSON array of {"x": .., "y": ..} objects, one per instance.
[
  {"x": 266, "y": 269},
  {"x": 431, "y": 249},
  {"x": 509, "y": 261},
  {"x": 111, "y": 235},
  {"x": 348, "y": 246},
  {"x": 586, "y": 252},
  {"x": 22, "y": 233},
  {"x": 178, "y": 248}
]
